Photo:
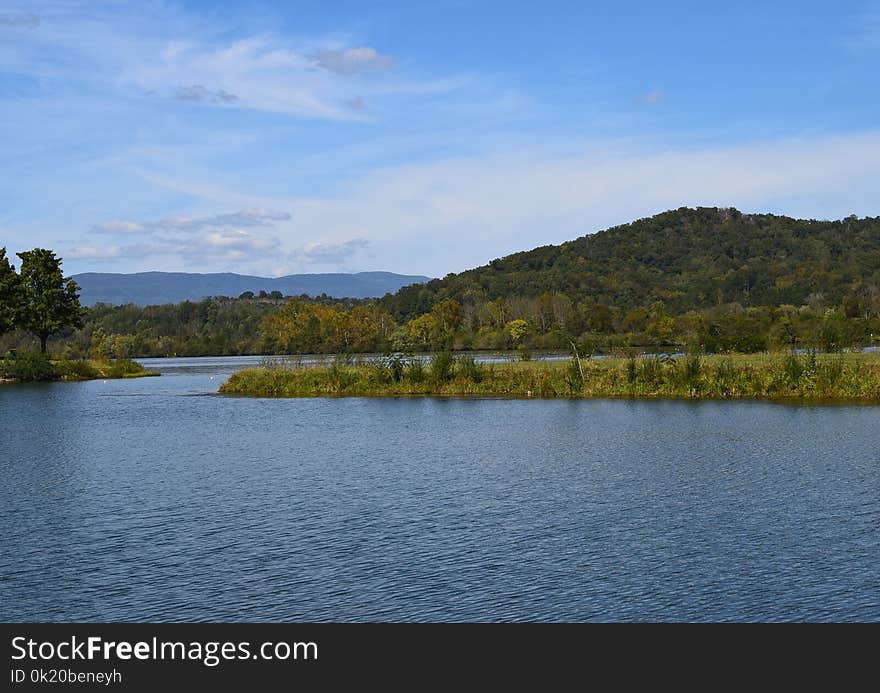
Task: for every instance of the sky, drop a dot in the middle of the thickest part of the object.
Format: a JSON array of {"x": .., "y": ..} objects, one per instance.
[{"x": 420, "y": 137}]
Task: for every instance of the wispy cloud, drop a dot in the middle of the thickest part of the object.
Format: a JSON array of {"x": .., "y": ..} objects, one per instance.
[
  {"x": 87, "y": 252},
  {"x": 230, "y": 245},
  {"x": 176, "y": 56},
  {"x": 227, "y": 248},
  {"x": 331, "y": 253},
  {"x": 401, "y": 161},
  {"x": 447, "y": 215},
  {"x": 236, "y": 238},
  {"x": 121, "y": 228},
  {"x": 353, "y": 60},
  {"x": 428, "y": 217},
  {"x": 232, "y": 249},
  {"x": 242, "y": 218},
  {"x": 263, "y": 73},
  {"x": 197, "y": 92}
]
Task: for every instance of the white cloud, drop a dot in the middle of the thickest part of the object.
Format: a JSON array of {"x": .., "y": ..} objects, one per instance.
[
  {"x": 438, "y": 215},
  {"x": 259, "y": 73},
  {"x": 448, "y": 215},
  {"x": 233, "y": 241},
  {"x": 228, "y": 240},
  {"x": 218, "y": 249},
  {"x": 94, "y": 253},
  {"x": 199, "y": 93},
  {"x": 164, "y": 51},
  {"x": 242, "y": 218},
  {"x": 121, "y": 228},
  {"x": 331, "y": 253},
  {"x": 225, "y": 241},
  {"x": 247, "y": 217},
  {"x": 353, "y": 60}
]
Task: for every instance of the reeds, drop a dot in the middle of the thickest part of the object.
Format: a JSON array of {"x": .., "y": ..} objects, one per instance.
[
  {"x": 787, "y": 376},
  {"x": 33, "y": 366}
]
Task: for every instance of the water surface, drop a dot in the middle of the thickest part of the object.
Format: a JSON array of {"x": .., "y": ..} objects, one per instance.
[{"x": 155, "y": 500}]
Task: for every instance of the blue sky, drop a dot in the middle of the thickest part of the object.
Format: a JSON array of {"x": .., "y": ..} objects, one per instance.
[{"x": 418, "y": 137}]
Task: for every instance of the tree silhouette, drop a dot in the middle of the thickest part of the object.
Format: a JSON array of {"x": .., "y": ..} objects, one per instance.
[{"x": 51, "y": 301}]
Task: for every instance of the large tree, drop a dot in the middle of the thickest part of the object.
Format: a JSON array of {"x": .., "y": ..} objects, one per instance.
[
  {"x": 11, "y": 294},
  {"x": 51, "y": 300}
]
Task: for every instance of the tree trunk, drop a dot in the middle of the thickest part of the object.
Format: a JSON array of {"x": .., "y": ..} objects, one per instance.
[{"x": 43, "y": 339}]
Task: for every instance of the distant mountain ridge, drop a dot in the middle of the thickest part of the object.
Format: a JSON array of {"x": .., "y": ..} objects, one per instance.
[{"x": 156, "y": 288}]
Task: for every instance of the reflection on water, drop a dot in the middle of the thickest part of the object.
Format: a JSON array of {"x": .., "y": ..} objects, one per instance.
[{"x": 128, "y": 500}]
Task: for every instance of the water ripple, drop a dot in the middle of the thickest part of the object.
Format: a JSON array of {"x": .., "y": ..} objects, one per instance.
[{"x": 148, "y": 501}]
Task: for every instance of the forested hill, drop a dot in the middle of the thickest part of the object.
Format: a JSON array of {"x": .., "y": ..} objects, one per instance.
[
  {"x": 157, "y": 288},
  {"x": 687, "y": 258}
]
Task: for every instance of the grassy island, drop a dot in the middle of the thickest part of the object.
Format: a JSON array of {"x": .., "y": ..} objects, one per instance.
[
  {"x": 810, "y": 376},
  {"x": 33, "y": 366}
]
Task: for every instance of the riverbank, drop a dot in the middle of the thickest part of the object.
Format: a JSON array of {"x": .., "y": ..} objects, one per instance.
[
  {"x": 826, "y": 377},
  {"x": 33, "y": 367}
]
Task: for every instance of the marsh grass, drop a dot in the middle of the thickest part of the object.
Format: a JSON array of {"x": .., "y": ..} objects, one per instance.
[
  {"x": 808, "y": 376},
  {"x": 34, "y": 366}
]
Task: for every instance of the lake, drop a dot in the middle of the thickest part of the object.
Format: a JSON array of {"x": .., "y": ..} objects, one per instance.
[{"x": 157, "y": 500}]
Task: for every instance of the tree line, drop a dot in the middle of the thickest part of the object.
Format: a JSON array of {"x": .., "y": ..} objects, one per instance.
[
  {"x": 712, "y": 279},
  {"x": 222, "y": 326}
]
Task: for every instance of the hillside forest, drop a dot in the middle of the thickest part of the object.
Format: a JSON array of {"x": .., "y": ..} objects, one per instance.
[{"x": 708, "y": 279}]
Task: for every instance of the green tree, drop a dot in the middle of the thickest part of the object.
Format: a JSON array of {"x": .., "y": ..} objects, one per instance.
[
  {"x": 420, "y": 331},
  {"x": 11, "y": 294},
  {"x": 448, "y": 317},
  {"x": 51, "y": 300},
  {"x": 517, "y": 330}
]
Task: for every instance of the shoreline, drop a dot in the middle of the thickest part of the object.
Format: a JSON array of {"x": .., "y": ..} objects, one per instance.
[
  {"x": 809, "y": 378},
  {"x": 805, "y": 401},
  {"x": 31, "y": 370}
]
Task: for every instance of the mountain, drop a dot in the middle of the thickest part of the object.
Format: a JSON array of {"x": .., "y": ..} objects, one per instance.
[
  {"x": 156, "y": 288},
  {"x": 687, "y": 258}
]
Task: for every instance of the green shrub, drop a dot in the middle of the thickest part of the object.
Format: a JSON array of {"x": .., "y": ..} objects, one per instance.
[
  {"x": 726, "y": 378},
  {"x": 691, "y": 372},
  {"x": 469, "y": 368},
  {"x": 793, "y": 367},
  {"x": 441, "y": 367},
  {"x": 631, "y": 371},
  {"x": 415, "y": 371},
  {"x": 378, "y": 371},
  {"x": 28, "y": 366},
  {"x": 396, "y": 366},
  {"x": 76, "y": 370},
  {"x": 653, "y": 369},
  {"x": 574, "y": 376},
  {"x": 123, "y": 367},
  {"x": 340, "y": 376},
  {"x": 830, "y": 372}
]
